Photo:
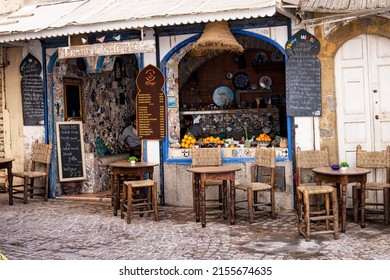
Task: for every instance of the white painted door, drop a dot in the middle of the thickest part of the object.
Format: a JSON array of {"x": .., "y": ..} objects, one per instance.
[{"x": 362, "y": 68}]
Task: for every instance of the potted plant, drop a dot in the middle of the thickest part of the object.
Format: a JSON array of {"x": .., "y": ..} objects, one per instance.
[
  {"x": 343, "y": 165},
  {"x": 133, "y": 159},
  {"x": 247, "y": 142}
]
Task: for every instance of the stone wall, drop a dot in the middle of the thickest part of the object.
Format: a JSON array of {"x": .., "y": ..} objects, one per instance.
[{"x": 107, "y": 109}]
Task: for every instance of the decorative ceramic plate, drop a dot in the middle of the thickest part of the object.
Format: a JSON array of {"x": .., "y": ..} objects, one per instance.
[
  {"x": 223, "y": 95},
  {"x": 260, "y": 57},
  {"x": 241, "y": 80},
  {"x": 229, "y": 75},
  {"x": 265, "y": 82}
]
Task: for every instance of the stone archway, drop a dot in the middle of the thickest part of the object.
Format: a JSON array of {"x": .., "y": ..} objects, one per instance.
[{"x": 330, "y": 44}]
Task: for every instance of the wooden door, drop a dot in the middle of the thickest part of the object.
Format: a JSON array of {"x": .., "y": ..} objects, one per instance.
[{"x": 362, "y": 68}]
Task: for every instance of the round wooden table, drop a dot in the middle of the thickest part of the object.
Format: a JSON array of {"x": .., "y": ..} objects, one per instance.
[
  {"x": 137, "y": 169},
  {"x": 214, "y": 173},
  {"x": 343, "y": 178}
]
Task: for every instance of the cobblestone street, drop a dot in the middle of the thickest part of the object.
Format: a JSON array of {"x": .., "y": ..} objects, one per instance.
[{"x": 87, "y": 230}]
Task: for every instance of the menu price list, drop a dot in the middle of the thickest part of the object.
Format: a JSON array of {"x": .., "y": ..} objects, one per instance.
[{"x": 151, "y": 115}]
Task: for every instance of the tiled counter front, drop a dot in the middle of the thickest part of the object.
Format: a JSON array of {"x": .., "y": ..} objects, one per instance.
[{"x": 281, "y": 153}]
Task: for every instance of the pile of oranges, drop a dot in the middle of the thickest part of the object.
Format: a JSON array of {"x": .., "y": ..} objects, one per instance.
[
  {"x": 187, "y": 141},
  {"x": 263, "y": 137},
  {"x": 214, "y": 140}
]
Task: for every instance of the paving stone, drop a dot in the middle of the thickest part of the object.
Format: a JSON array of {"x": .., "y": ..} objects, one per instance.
[{"x": 87, "y": 230}]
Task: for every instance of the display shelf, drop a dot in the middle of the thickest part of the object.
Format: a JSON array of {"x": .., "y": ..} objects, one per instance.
[{"x": 230, "y": 111}]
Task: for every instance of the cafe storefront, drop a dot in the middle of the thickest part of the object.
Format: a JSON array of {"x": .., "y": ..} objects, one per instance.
[{"x": 222, "y": 91}]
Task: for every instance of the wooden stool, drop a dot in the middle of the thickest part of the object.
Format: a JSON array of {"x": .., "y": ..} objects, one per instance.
[
  {"x": 131, "y": 204},
  {"x": 306, "y": 216}
]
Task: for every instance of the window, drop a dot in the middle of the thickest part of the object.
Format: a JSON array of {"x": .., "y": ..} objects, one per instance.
[{"x": 73, "y": 99}]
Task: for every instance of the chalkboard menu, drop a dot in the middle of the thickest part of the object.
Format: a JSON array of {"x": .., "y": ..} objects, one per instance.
[
  {"x": 70, "y": 149},
  {"x": 303, "y": 75},
  {"x": 151, "y": 103},
  {"x": 32, "y": 91}
]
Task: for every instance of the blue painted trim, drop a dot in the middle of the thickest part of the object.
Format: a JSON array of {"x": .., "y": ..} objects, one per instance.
[
  {"x": 99, "y": 63},
  {"x": 51, "y": 129},
  {"x": 164, "y": 71},
  {"x": 261, "y": 37},
  {"x": 44, "y": 73}
]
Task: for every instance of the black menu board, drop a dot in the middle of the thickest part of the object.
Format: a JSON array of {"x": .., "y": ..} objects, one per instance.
[
  {"x": 32, "y": 91},
  {"x": 70, "y": 149},
  {"x": 303, "y": 75}
]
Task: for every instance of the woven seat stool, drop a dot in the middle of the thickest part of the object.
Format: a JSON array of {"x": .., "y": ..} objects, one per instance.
[
  {"x": 132, "y": 204},
  {"x": 378, "y": 185},
  {"x": 305, "y": 217},
  {"x": 259, "y": 184},
  {"x": 208, "y": 157}
]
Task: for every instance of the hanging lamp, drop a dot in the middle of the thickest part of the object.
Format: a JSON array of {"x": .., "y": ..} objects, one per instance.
[{"x": 216, "y": 37}]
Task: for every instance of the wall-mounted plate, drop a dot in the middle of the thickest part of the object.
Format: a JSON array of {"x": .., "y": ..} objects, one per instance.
[{"x": 223, "y": 95}]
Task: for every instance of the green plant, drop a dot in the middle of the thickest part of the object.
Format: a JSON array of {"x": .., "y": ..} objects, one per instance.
[
  {"x": 344, "y": 164},
  {"x": 133, "y": 158},
  {"x": 245, "y": 126}
]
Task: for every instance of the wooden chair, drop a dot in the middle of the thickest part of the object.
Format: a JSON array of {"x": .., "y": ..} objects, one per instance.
[
  {"x": 132, "y": 204},
  {"x": 40, "y": 167},
  {"x": 207, "y": 157},
  {"x": 379, "y": 163},
  {"x": 307, "y": 213},
  {"x": 264, "y": 159}
]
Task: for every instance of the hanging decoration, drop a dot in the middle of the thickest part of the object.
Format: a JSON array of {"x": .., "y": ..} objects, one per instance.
[{"x": 216, "y": 37}]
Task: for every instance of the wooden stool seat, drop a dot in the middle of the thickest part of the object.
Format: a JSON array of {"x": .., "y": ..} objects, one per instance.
[
  {"x": 306, "y": 216},
  {"x": 140, "y": 204}
]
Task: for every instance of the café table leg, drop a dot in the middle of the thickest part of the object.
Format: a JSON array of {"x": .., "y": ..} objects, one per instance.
[
  {"x": 224, "y": 199},
  {"x": 232, "y": 203},
  {"x": 116, "y": 193},
  {"x": 197, "y": 201},
  {"x": 203, "y": 202},
  {"x": 363, "y": 205},
  {"x": 343, "y": 207}
]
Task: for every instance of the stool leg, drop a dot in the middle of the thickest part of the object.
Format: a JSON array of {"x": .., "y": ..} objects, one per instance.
[
  {"x": 149, "y": 200},
  {"x": 306, "y": 202},
  {"x": 386, "y": 204},
  {"x": 129, "y": 203},
  {"x": 335, "y": 207},
  {"x": 112, "y": 188},
  {"x": 155, "y": 203},
  {"x": 220, "y": 197},
  {"x": 250, "y": 205},
  {"x": 327, "y": 210},
  {"x": 299, "y": 211},
  {"x": 25, "y": 190},
  {"x": 124, "y": 200},
  {"x": 273, "y": 210}
]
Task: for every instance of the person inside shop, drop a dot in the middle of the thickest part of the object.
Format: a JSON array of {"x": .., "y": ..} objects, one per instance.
[
  {"x": 189, "y": 127},
  {"x": 129, "y": 138}
]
